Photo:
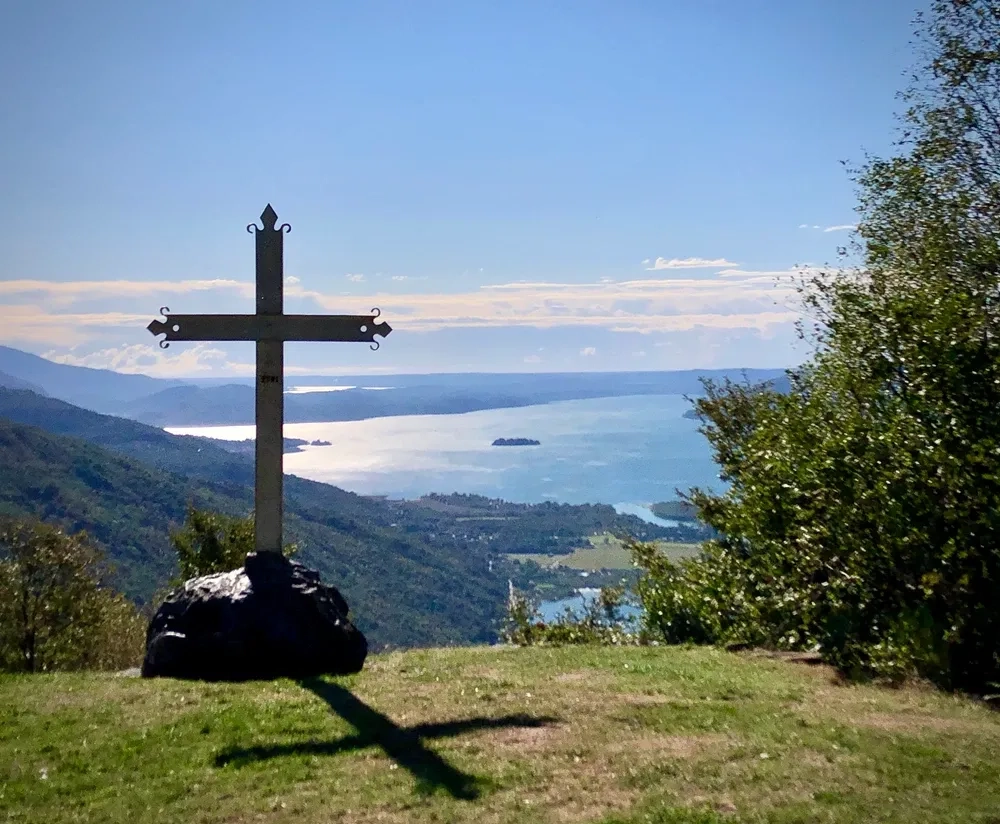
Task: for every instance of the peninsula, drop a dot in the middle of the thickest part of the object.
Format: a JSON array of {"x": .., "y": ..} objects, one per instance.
[{"x": 246, "y": 446}]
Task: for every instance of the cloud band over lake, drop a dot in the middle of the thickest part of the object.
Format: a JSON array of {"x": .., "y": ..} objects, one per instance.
[{"x": 102, "y": 323}]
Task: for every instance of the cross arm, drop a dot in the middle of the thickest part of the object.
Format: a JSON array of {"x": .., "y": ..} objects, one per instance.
[{"x": 343, "y": 328}]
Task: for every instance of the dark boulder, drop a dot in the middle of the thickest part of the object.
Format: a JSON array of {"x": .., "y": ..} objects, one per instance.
[{"x": 273, "y": 618}]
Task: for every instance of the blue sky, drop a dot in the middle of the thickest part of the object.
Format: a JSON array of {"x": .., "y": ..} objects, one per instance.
[{"x": 520, "y": 186}]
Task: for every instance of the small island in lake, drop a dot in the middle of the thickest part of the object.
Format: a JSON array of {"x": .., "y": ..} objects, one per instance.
[{"x": 516, "y": 442}]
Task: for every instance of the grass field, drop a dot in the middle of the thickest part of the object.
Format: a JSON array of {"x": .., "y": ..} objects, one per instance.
[
  {"x": 604, "y": 552},
  {"x": 496, "y": 734}
]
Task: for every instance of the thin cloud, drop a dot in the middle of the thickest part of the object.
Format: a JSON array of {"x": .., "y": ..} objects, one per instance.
[
  {"x": 840, "y": 227},
  {"x": 358, "y": 278},
  {"x": 190, "y": 360},
  {"x": 688, "y": 263},
  {"x": 197, "y": 359},
  {"x": 83, "y": 289},
  {"x": 758, "y": 275},
  {"x": 33, "y": 324},
  {"x": 733, "y": 298},
  {"x": 588, "y": 351}
]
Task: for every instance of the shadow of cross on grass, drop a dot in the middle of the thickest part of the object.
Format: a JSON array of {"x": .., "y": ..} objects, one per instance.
[{"x": 405, "y": 745}]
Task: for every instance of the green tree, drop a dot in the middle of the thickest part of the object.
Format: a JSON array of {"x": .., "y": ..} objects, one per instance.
[
  {"x": 211, "y": 542},
  {"x": 863, "y": 512},
  {"x": 54, "y": 612}
]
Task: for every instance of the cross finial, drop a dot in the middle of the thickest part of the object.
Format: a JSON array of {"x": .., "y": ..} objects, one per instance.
[{"x": 269, "y": 217}]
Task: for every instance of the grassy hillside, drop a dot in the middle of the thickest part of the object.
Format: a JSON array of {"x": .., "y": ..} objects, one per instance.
[{"x": 487, "y": 734}]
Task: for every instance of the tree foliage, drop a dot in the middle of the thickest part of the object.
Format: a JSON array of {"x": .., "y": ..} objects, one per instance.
[
  {"x": 863, "y": 513},
  {"x": 211, "y": 542},
  {"x": 55, "y": 614}
]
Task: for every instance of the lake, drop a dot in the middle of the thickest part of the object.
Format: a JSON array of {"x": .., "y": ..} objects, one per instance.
[
  {"x": 629, "y": 451},
  {"x": 553, "y": 610}
]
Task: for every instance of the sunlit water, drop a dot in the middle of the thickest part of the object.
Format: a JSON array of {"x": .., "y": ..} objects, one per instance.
[{"x": 629, "y": 451}]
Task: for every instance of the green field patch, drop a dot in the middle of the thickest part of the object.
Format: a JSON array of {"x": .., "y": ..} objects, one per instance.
[{"x": 602, "y": 552}]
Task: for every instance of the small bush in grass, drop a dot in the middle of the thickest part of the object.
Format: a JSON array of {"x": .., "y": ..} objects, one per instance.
[{"x": 600, "y": 623}]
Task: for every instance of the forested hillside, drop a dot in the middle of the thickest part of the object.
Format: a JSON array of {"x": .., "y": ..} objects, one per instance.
[
  {"x": 404, "y": 589},
  {"x": 416, "y": 573}
]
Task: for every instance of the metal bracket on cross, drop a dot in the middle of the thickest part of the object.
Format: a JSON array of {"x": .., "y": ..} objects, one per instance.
[{"x": 340, "y": 328}]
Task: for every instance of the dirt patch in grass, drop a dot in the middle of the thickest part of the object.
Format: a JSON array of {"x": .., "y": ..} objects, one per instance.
[
  {"x": 526, "y": 739},
  {"x": 644, "y": 699},
  {"x": 96, "y": 695},
  {"x": 674, "y": 746},
  {"x": 914, "y": 710},
  {"x": 808, "y": 663},
  {"x": 131, "y": 701},
  {"x": 575, "y": 677},
  {"x": 913, "y": 724},
  {"x": 583, "y": 793},
  {"x": 487, "y": 673}
]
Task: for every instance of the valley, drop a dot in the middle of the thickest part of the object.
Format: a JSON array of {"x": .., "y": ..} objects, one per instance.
[
  {"x": 417, "y": 572},
  {"x": 419, "y": 565}
]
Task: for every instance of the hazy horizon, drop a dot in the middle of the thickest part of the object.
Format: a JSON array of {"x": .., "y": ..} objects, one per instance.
[{"x": 293, "y": 374}]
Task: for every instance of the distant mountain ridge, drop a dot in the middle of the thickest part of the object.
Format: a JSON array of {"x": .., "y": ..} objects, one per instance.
[
  {"x": 10, "y": 382},
  {"x": 436, "y": 395},
  {"x": 100, "y": 389},
  {"x": 207, "y": 402}
]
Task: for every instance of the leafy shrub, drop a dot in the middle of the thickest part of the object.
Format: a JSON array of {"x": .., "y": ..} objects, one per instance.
[
  {"x": 55, "y": 614},
  {"x": 683, "y": 601},
  {"x": 210, "y": 542},
  {"x": 600, "y": 623}
]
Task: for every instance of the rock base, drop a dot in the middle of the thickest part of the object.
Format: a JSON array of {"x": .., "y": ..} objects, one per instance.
[{"x": 273, "y": 618}]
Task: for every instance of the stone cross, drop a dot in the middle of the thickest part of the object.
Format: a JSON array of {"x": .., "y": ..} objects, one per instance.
[{"x": 270, "y": 328}]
